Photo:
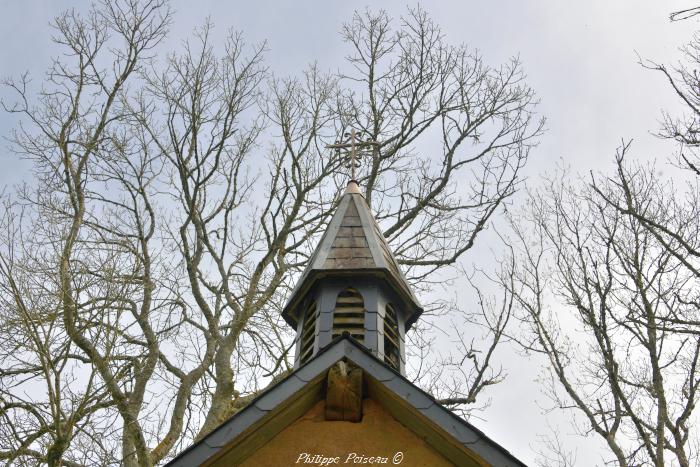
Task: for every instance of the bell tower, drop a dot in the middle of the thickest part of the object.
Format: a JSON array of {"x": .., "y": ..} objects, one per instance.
[
  {"x": 348, "y": 393},
  {"x": 353, "y": 284}
]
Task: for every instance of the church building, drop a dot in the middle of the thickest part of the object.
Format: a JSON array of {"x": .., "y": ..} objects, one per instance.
[{"x": 348, "y": 401}]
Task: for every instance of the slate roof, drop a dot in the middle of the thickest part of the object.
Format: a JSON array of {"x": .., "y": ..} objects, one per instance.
[
  {"x": 280, "y": 405},
  {"x": 354, "y": 244}
]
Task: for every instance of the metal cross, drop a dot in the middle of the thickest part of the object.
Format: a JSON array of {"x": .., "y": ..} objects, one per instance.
[{"x": 353, "y": 144}]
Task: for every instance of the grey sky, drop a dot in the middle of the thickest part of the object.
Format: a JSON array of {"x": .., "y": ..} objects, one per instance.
[{"x": 580, "y": 58}]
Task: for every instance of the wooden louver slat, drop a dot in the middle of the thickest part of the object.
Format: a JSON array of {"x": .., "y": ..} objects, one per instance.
[
  {"x": 349, "y": 314},
  {"x": 391, "y": 337},
  {"x": 309, "y": 333}
]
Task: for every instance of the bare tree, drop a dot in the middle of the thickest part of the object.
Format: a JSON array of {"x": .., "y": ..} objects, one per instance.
[
  {"x": 103, "y": 279},
  {"x": 613, "y": 310},
  {"x": 604, "y": 273},
  {"x": 553, "y": 451},
  {"x": 683, "y": 80},
  {"x": 39, "y": 425},
  {"x": 467, "y": 367},
  {"x": 626, "y": 268},
  {"x": 177, "y": 201}
]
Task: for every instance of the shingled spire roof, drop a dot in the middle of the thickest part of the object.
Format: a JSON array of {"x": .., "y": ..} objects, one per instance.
[{"x": 353, "y": 244}]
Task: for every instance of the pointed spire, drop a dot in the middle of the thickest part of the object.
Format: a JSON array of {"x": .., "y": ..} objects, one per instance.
[{"x": 353, "y": 244}]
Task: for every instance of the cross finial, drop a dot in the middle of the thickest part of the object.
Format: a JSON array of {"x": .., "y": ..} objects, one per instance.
[{"x": 353, "y": 143}]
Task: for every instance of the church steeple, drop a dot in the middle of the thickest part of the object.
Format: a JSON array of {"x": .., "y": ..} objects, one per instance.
[
  {"x": 351, "y": 295},
  {"x": 353, "y": 284}
]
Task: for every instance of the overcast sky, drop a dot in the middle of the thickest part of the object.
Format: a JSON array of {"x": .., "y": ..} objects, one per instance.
[{"x": 580, "y": 57}]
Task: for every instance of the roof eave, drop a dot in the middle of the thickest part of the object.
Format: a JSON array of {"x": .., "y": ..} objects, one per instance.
[{"x": 342, "y": 347}]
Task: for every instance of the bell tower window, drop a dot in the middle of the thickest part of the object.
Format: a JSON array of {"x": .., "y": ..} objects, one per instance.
[
  {"x": 309, "y": 333},
  {"x": 349, "y": 314},
  {"x": 391, "y": 338}
]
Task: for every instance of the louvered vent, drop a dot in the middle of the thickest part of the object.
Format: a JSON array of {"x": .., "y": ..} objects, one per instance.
[
  {"x": 391, "y": 338},
  {"x": 349, "y": 314},
  {"x": 309, "y": 333}
]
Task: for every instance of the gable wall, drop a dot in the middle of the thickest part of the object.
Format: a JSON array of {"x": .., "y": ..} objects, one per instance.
[{"x": 378, "y": 434}]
